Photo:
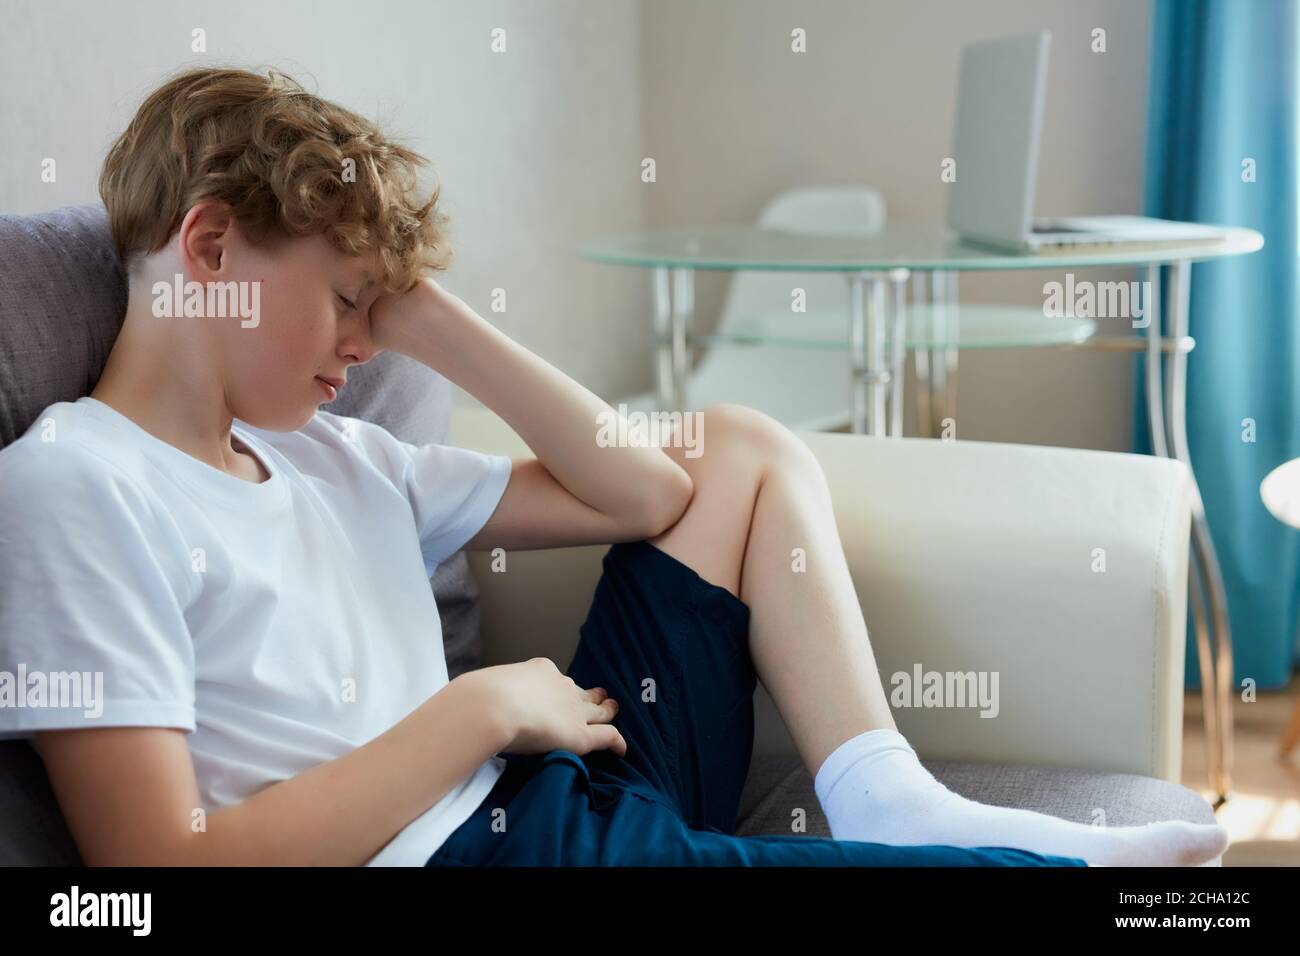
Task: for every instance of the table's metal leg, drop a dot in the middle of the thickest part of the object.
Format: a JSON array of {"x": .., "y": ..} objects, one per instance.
[
  {"x": 897, "y": 351},
  {"x": 1156, "y": 429},
  {"x": 1154, "y": 337},
  {"x": 866, "y": 351},
  {"x": 1210, "y": 703},
  {"x": 951, "y": 353},
  {"x": 938, "y": 368},
  {"x": 921, "y": 361},
  {"x": 673, "y": 311},
  {"x": 1216, "y": 673},
  {"x": 943, "y": 360}
]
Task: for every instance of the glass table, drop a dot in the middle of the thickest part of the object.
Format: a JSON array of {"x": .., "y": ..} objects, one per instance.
[{"x": 877, "y": 270}]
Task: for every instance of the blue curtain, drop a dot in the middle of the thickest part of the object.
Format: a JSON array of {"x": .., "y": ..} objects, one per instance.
[{"x": 1223, "y": 92}]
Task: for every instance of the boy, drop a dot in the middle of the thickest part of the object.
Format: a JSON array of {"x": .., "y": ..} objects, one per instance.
[{"x": 249, "y": 575}]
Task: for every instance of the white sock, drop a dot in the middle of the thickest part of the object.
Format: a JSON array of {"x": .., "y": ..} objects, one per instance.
[{"x": 873, "y": 788}]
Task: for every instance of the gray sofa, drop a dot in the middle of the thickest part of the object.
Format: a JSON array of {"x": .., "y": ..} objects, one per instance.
[{"x": 61, "y": 302}]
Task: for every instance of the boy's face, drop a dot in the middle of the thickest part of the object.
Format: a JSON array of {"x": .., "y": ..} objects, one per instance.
[{"x": 305, "y": 331}]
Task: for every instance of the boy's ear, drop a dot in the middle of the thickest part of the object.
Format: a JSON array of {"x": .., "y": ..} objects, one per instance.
[{"x": 204, "y": 237}]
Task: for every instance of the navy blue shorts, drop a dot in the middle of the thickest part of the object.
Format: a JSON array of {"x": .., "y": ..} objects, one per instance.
[{"x": 673, "y": 650}]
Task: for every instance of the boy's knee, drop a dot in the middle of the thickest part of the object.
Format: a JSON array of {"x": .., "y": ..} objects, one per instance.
[
  {"x": 758, "y": 433},
  {"x": 731, "y": 419}
]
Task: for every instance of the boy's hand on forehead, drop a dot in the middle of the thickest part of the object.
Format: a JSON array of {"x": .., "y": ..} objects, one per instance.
[{"x": 396, "y": 316}]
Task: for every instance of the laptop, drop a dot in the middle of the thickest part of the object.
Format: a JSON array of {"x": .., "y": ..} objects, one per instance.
[{"x": 1000, "y": 95}]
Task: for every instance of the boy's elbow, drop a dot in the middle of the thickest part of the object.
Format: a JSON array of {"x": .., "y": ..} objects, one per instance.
[{"x": 665, "y": 508}]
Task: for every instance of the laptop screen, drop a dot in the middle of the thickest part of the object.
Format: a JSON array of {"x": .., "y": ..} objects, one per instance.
[{"x": 1001, "y": 89}]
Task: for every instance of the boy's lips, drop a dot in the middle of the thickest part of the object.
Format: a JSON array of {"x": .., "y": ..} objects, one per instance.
[{"x": 331, "y": 386}]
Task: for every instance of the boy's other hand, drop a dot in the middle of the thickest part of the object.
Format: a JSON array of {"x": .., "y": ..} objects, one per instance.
[{"x": 549, "y": 711}]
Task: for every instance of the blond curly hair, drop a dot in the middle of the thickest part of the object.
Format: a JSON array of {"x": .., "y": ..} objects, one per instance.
[{"x": 288, "y": 163}]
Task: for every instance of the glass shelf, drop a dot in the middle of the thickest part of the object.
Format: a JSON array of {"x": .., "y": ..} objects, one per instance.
[{"x": 927, "y": 326}]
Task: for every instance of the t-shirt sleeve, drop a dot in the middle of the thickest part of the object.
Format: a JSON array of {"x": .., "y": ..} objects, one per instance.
[
  {"x": 92, "y": 626},
  {"x": 452, "y": 491}
]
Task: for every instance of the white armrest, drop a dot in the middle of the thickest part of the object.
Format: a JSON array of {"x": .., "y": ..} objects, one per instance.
[{"x": 967, "y": 557}]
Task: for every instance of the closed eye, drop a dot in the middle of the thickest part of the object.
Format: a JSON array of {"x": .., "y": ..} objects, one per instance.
[{"x": 348, "y": 302}]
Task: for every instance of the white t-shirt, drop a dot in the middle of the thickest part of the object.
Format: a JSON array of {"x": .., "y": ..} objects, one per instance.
[{"x": 280, "y": 624}]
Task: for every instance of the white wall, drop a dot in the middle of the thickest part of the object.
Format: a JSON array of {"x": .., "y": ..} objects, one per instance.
[{"x": 540, "y": 148}]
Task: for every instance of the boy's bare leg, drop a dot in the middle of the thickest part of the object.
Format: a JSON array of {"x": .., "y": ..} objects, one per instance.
[{"x": 760, "y": 494}]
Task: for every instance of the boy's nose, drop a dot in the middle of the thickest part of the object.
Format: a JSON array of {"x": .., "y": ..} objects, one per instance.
[{"x": 357, "y": 348}]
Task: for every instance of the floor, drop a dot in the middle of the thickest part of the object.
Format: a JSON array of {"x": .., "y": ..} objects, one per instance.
[{"x": 1262, "y": 813}]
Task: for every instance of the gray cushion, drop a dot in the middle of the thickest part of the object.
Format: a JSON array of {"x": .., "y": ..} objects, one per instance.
[{"x": 62, "y": 299}]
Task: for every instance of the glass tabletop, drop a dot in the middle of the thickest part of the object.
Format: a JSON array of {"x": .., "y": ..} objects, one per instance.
[
  {"x": 920, "y": 246},
  {"x": 926, "y": 326}
]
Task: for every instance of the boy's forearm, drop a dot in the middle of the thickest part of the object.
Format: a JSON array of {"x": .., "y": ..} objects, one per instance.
[
  {"x": 342, "y": 812},
  {"x": 559, "y": 419}
]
